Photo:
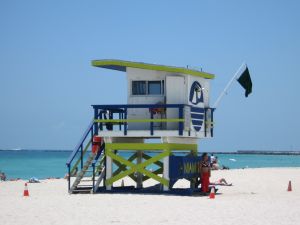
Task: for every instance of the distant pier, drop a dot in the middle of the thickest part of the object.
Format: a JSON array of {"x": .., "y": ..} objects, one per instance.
[{"x": 261, "y": 152}]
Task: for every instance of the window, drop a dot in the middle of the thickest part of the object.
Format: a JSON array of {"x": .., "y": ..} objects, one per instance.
[
  {"x": 138, "y": 87},
  {"x": 155, "y": 87}
]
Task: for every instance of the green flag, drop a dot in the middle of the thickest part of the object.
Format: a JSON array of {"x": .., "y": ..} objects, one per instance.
[{"x": 245, "y": 81}]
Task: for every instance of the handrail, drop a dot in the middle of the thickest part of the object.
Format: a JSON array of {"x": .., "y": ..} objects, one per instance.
[
  {"x": 122, "y": 109},
  {"x": 101, "y": 162},
  {"x": 90, "y": 127},
  {"x": 137, "y": 120},
  {"x": 102, "y": 148},
  {"x": 139, "y": 106},
  {"x": 83, "y": 153}
]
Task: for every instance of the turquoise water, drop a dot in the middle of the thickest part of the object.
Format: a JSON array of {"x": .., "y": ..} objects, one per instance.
[
  {"x": 237, "y": 161},
  {"x": 27, "y": 164},
  {"x": 43, "y": 164}
]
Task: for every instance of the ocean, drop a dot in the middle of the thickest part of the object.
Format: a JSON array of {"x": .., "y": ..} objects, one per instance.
[{"x": 45, "y": 164}]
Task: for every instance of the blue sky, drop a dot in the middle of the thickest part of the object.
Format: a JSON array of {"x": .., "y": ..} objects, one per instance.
[{"x": 47, "y": 84}]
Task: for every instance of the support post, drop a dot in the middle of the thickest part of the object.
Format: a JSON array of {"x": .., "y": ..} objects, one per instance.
[
  {"x": 205, "y": 121},
  {"x": 96, "y": 126},
  {"x": 139, "y": 182},
  {"x": 125, "y": 123},
  {"x": 94, "y": 178},
  {"x": 180, "y": 127},
  {"x": 69, "y": 177},
  {"x": 81, "y": 156},
  {"x": 108, "y": 171},
  {"x": 151, "y": 123},
  {"x": 166, "y": 172},
  {"x": 101, "y": 117},
  {"x": 212, "y": 123}
]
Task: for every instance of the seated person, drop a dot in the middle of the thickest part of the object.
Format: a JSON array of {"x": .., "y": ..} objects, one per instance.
[
  {"x": 215, "y": 164},
  {"x": 221, "y": 182},
  {"x": 212, "y": 159},
  {"x": 33, "y": 180},
  {"x": 2, "y": 176}
]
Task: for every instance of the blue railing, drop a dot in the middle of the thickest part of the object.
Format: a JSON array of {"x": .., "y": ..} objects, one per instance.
[
  {"x": 100, "y": 112},
  {"x": 79, "y": 150}
]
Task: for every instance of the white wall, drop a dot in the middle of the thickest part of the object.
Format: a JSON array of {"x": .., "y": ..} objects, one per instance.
[
  {"x": 134, "y": 74},
  {"x": 148, "y": 75},
  {"x": 176, "y": 91},
  {"x": 205, "y": 85},
  {"x": 205, "y": 90}
]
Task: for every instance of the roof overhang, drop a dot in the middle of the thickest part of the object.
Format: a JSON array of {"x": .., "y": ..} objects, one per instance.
[{"x": 122, "y": 65}]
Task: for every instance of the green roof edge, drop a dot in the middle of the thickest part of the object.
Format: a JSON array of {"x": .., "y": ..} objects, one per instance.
[{"x": 140, "y": 65}]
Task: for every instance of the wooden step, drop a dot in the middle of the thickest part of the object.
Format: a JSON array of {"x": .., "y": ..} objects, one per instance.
[
  {"x": 83, "y": 187},
  {"x": 87, "y": 180}
]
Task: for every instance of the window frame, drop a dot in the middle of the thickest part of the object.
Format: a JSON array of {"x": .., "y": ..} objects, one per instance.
[
  {"x": 146, "y": 91},
  {"x": 162, "y": 87}
]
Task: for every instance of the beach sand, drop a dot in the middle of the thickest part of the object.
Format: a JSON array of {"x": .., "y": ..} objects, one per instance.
[{"x": 258, "y": 196}]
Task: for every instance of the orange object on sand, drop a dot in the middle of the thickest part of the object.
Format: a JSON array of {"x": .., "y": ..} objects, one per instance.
[
  {"x": 289, "y": 186},
  {"x": 26, "y": 192},
  {"x": 212, "y": 193}
]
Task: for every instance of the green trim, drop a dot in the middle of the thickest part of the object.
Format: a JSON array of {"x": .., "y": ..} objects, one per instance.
[
  {"x": 136, "y": 146},
  {"x": 150, "y": 146},
  {"x": 122, "y": 167},
  {"x": 158, "y": 163},
  {"x": 158, "y": 171},
  {"x": 122, "y": 163},
  {"x": 121, "y": 65},
  {"x": 137, "y": 120},
  {"x": 136, "y": 167}
]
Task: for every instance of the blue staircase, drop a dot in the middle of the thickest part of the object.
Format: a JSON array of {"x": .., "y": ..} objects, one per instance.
[{"x": 86, "y": 169}]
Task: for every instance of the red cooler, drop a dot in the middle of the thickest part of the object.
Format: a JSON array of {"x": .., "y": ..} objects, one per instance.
[{"x": 97, "y": 141}]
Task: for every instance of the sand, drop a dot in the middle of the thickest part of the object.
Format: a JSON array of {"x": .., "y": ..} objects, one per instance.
[{"x": 258, "y": 196}]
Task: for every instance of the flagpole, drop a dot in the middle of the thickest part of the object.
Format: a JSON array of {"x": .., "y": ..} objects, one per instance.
[{"x": 217, "y": 102}]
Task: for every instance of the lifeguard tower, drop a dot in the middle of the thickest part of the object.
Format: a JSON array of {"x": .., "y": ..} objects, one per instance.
[{"x": 167, "y": 111}]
